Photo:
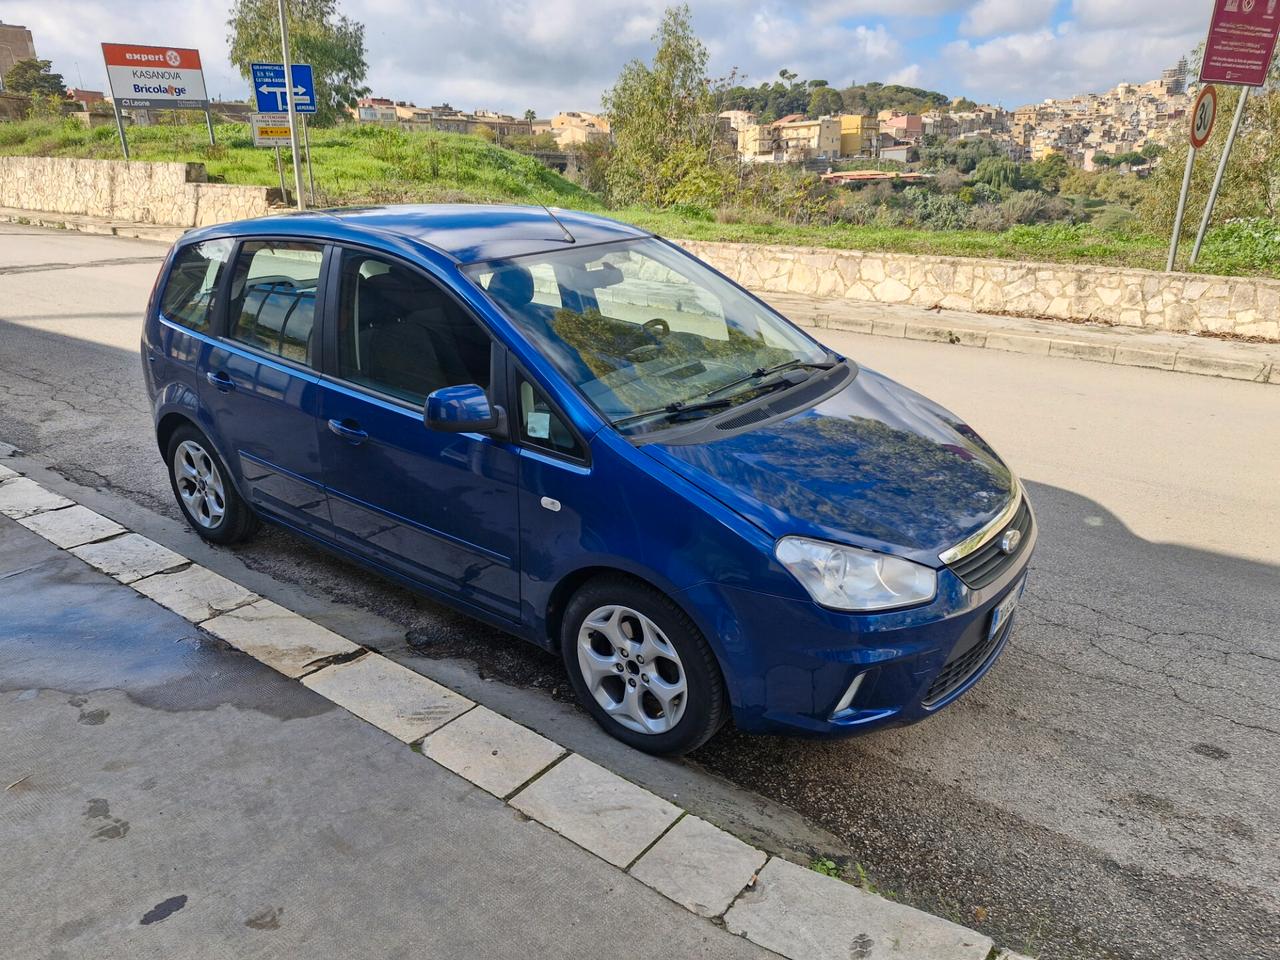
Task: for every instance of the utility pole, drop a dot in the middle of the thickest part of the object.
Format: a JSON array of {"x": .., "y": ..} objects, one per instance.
[{"x": 288, "y": 93}]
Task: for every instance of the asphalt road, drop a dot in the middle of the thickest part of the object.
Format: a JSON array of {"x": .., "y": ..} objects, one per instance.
[{"x": 1108, "y": 791}]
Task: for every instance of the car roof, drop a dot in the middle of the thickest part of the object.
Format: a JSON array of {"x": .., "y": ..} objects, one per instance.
[{"x": 465, "y": 232}]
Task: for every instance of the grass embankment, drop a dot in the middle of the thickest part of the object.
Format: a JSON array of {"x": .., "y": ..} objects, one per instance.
[{"x": 355, "y": 165}]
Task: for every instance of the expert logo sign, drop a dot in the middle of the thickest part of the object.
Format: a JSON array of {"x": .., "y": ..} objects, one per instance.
[{"x": 149, "y": 77}]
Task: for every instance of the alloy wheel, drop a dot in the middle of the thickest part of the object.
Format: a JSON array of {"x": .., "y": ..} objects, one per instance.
[
  {"x": 199, "y": 484},
  {"x": 632, "y": 669}
]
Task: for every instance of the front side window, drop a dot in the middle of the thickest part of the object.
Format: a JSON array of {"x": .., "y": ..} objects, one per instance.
[
  {"x": 641, "y": 328},
  {"x": 193, "y": 283},
  {"x": 273, "y": 297},
  {"x": 401, "y": 334}
]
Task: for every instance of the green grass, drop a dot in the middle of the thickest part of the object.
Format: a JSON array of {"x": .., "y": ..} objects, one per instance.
[{"x": 355, "y": 165}]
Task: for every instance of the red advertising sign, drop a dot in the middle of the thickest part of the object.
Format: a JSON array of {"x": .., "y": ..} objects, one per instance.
[
  {"x": 1241, "y": 42},
  {"x": 142, "y": 77}
]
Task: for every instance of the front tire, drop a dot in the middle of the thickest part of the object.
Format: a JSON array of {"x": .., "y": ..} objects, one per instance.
[
  {"x": 204, "y": 491},
  {"x": 641, "y": 667}
]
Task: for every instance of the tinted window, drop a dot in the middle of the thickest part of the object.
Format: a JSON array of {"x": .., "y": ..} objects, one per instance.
[
  {"x": 273, "y": 297},
  {"x": 400, "y": 333},
  {"x": 541, "y": 426},
  {"x": 193, "y": 282}
]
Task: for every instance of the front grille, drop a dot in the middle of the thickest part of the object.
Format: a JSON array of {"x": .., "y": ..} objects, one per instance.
[
  {"x": 957, "y": 671},
  {"x": 985, "y": 564}
]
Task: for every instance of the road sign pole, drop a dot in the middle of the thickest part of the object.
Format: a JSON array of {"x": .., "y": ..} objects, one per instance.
[
  {"x": 288, "y": 94},
  {"x": 1222, "y": 167},
  {"x": 1182, "y": 208},
  {"x": 208, "y": 122},
  {"x": 124, "y": 141},
  {"x": 306, "y": 142}
]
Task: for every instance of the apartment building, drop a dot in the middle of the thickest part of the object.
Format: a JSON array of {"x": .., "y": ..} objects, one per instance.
[
  {"x": 577, "y": 126},
  {"x": 859, "y": 136},
  {"x": 443, "y": 117}
]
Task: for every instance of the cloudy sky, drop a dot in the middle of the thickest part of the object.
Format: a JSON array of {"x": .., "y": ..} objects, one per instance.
[{"x": 559, "y": 54}]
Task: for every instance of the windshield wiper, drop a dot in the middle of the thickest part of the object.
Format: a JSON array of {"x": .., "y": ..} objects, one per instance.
[
  {"x": 673, "y": 411},
  {"x": 762, "y": 372}
]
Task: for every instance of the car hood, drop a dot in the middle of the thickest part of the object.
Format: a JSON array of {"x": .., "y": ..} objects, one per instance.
[{"x": 875, "y": 465}]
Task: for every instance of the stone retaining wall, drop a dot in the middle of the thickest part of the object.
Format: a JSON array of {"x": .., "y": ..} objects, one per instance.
[
  {"x": 174, "y": 194},
  {"x": 1181, "y": 302}
]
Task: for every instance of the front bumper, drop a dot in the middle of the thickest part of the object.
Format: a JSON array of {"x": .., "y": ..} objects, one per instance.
[{"x": 789, "y": 663}]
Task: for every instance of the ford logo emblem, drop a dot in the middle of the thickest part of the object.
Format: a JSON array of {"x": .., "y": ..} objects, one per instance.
[{"x": 1009, "y": 542}]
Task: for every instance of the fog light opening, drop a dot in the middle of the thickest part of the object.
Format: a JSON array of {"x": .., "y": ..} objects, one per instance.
[{"x": 847, "y": 700}]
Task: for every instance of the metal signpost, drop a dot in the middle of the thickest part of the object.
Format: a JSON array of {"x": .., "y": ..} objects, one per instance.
[
  {"x": 144, "y": 78},
  {"x": 272, "y": 130},
  {"x": 290, "y": 104},
  {"x": 1202, "y": 116},
  {"x": 1238, "y": 51},
  {"x": 272, "y": 97}
]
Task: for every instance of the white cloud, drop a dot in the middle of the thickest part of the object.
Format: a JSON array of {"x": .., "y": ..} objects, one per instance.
[
  {"x": 1160, "y": 17},
  {"x": 987, "y": 17},
  {"x": 908, "y": 76}
]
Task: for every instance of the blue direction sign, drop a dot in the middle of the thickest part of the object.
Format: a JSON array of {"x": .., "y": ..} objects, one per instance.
[{"x": 268, "y": 87}]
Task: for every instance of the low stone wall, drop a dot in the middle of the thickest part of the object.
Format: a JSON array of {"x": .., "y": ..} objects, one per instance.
[
  {"x": 1181, "y": 302},
  {"x": 174, "y": 194}
]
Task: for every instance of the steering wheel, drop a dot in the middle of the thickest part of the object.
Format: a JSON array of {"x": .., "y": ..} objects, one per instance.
[{"x": 657, "y": 327}]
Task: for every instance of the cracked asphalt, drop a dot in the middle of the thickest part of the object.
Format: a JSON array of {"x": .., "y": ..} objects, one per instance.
[{"x": 1110, "y": 790}]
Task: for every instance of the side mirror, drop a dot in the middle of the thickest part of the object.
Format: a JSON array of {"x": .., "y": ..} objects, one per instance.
[{"x": 461, "y": 409}]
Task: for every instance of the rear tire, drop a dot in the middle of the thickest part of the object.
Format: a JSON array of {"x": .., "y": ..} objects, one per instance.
[
  {"x": 204, "y": 491},
  {"x": 641, "y": 667}
]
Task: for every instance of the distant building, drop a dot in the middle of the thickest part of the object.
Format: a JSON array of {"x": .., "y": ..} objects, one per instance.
[
  {"x": 577, "y": 126},
  {"x": 739, "y": 118},
  {"x": 16, "y": 44},
  {"x": 443, "y": 117},
  {"x": 86, "y": 97},
  {"x": 904, "y": 126},
  {"x": 859, "y": 136}
]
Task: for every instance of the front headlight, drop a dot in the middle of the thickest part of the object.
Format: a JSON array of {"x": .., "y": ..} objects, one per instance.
[{"x": 847, "y": 578}]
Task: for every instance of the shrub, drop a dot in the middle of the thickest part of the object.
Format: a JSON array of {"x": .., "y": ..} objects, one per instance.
[{"x": 1025, "y": 206}]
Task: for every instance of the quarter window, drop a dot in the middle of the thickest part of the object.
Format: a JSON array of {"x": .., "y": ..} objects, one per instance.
[
  {"x": 193, "y": 283},
  {"x": 541, "y": 426},
  {"x": 273, "y": 297},
  {"x": 401, "y": 334}
]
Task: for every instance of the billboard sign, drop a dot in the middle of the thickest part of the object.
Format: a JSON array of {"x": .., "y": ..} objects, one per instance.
[
  {"x": 270, "y": 129},
  {"x": 1241, "y": 42},
  {"x": 268, "y": 87},
  {"x": 155, "y": 77}
]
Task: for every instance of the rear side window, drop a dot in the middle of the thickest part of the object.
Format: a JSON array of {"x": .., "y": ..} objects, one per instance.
[
  {"x": 193, "y": 283},
  {"x": 273, "y": 297}
]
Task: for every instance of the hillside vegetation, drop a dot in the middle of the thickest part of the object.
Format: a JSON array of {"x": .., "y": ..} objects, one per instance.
[{"x": 356, "y": 165}]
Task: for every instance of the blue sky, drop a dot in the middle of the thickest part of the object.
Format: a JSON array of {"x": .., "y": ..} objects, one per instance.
[{"x": 556, "y": 55}]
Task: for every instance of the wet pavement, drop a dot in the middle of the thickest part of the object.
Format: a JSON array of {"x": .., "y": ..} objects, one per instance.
[{"x": 170, "y": 797}]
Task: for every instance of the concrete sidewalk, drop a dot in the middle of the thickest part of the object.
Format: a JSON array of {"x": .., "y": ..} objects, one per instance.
[{"x": 169, "y": 796}]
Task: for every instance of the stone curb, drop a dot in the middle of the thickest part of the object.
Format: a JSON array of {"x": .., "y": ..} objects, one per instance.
[
  {"x": 690, "y": 861},
  {"x": 161, "y": 233},
  {"x": 1044, "y": 345}
]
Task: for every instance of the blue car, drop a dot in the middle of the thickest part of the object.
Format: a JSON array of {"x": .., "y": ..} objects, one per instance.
[{"x": 573, "y": 430}]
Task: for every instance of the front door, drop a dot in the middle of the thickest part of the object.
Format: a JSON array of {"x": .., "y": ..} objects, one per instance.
[
  {"x": 439, "y": 508},
  {"x": 261, "y": 379}
]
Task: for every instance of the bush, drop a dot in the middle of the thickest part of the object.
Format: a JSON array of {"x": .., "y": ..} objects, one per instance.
[
  {"x": 987, "y": 216},
  {"x": 1247, "y": 245},
  {"x": 1117, "y": 220},
  {"x": 935, "y": 211},
  {"x": 1025, "y": 206}
]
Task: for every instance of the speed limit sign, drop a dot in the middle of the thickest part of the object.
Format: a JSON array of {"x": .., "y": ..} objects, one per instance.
[{"x": 1203, "y": 115}]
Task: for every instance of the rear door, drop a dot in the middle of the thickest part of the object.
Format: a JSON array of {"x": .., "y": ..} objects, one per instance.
[
  {"x": 439, "y": 508},
  {"x": 261, "y": 378}
]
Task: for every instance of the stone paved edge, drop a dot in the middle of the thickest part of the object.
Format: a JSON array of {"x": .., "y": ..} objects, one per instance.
[{"x": 664, "y": 816}]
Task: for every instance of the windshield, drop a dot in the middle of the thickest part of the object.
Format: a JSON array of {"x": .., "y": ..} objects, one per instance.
[{"x": 641, "y": 328}]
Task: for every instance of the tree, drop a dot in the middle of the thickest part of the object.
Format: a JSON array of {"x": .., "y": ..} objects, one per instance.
[
  {"x": 319, "y": 34},
  {"x": 998, "y": 172},
  {"x": 1050, "y": 171},
  {"x": 35, "y": 77},
  {"x": 662, "y": 115},
  {"x": 531, "y": 115},
  {"x": 824, "y": 101}
]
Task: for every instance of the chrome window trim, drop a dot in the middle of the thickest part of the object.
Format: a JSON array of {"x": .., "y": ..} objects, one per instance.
[{"x": 978, "y": 540}]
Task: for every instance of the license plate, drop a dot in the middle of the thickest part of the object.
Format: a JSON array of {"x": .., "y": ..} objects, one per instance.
[{"x": 1004, "y": 609}]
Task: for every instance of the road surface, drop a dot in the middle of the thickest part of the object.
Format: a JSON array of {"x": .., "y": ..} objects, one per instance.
[{"x": 1108, "y": 791}]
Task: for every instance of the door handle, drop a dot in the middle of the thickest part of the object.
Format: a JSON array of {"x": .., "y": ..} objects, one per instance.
[
  {"x": 348, "y": 430},
  {"x": 221, "y": 381}
]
